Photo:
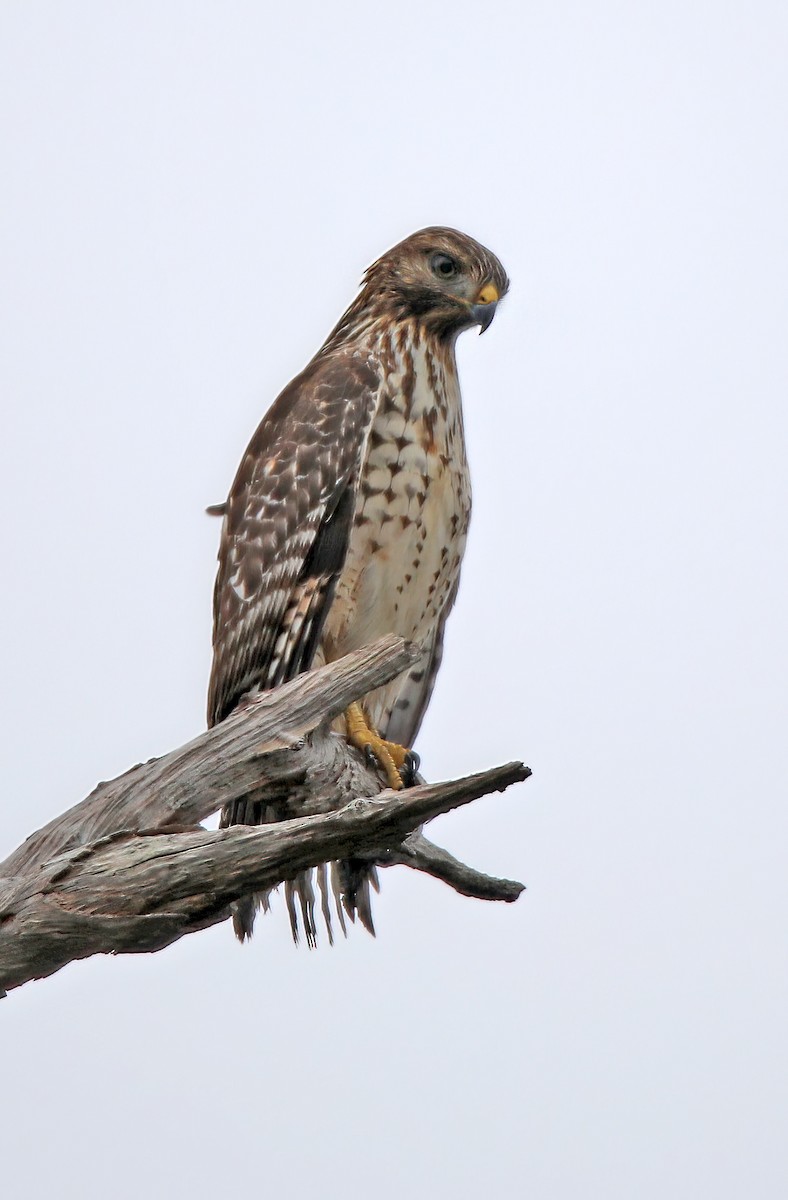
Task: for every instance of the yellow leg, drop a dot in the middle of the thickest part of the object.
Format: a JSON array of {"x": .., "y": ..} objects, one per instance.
[{"x": 390, "y": 755}]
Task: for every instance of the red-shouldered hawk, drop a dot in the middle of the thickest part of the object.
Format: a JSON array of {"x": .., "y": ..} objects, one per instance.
[{"x": 348, "y": 515}]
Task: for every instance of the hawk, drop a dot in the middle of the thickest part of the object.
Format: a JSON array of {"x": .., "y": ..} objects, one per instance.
[{"x": 348, "y": 516}]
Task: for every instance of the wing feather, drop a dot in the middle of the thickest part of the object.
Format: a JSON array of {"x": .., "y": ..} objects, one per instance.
[{"x": 286, "y": 528}]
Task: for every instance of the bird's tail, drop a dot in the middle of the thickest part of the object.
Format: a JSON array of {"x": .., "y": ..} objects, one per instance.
[{"x": 340, "y": 889}]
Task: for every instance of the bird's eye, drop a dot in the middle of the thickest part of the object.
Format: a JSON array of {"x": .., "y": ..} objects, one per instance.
[{"x": 443, "y": 266}]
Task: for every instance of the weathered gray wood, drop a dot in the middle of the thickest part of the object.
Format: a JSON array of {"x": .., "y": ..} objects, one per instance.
[
  {"x": 129, "y": 869},
  {"x": 418, "y": 852},
  {"x": 134, "y": 893},
  {"x": 236, "y": 757}
]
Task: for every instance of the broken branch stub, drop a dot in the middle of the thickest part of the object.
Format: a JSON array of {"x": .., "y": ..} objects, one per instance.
[{"x": 129, "y": 869}]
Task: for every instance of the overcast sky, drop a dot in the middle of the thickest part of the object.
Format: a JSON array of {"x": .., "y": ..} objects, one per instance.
[{"x": 190, "y": 193}]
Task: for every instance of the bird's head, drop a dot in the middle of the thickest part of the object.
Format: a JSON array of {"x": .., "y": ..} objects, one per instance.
[{"x": 443, "y": 278}]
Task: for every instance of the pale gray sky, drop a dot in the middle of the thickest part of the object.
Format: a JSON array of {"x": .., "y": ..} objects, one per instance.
[{"x": 190, "y": 194}]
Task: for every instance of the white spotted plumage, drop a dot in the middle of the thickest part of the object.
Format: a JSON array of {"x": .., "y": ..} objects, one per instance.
[
  {"x": 348, "y": 516},
  {"x": 411, "y": 516}
]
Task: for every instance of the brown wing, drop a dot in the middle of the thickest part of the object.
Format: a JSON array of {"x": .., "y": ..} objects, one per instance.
[{"x": 286, "y": 529}]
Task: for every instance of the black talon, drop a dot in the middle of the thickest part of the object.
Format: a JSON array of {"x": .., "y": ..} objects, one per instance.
[
  {"x": 410, "y": 769},
  {"x": 371, "y": 758}
]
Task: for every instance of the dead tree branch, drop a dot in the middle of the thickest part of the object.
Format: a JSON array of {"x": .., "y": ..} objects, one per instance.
[{"x": 129, "y": 869}]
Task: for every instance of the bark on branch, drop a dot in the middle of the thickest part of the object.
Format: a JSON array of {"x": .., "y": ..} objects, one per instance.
[{"x": 130, "y": 869}]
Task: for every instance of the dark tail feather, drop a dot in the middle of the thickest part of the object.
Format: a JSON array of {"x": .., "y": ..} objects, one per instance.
[
  {"x": 243, "y": 917},
  {"x": 346, "y": 887},
  {"x": 301, "y": 889},
  {"x": 356, "y": 876},
  {"x": 325, "y": 903}
]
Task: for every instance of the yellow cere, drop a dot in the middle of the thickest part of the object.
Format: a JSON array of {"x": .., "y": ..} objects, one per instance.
[{"x": 488, "y": 294}]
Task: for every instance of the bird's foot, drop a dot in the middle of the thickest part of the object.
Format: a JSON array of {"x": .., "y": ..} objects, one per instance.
[{"x": 399, "y": 764}]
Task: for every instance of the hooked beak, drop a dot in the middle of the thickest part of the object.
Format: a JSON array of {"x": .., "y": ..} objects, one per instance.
[{"x": 483, "y": 309}]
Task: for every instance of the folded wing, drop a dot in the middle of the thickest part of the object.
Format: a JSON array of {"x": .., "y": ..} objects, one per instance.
[{"x": 286, "y": 528}]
